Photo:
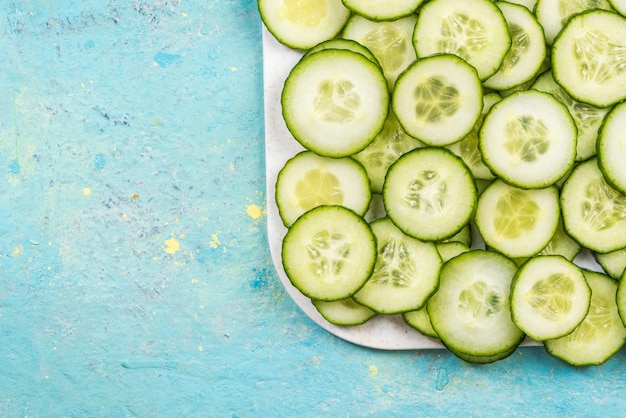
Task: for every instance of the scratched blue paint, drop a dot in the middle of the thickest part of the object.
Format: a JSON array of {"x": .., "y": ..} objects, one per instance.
[
  {"x": 165, "y": 59},
  {"x": 118, "y": 155}
]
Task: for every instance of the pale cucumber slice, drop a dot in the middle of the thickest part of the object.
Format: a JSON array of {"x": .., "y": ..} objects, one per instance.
[
  {"x": 335, "y": 102},
  {"x": 528, "y": 139},
  {"x": 405, "y": 275},
  {"x": 470, "y": 311},
  {"x": 594, "y": 213},
  {"x": 339, "y": 43},
  {"x": 613, "y": 263},
  {"x": 517, "y": 222},
  {"x": 438, "y": 99},
  {"x": 600, "y": 335},
  {"x": 588, "y": 118},
  {"x": 420, "y": 320},
  {"x": 589, "y": 58},
  {"x": 308, "y": 180},
  {"x": 612, "y": 147},
  {"x": 474, "y": 30},
  {"x": 549, "y": 297},
  {"x": 383, "y": 9},
  {"x": 329, "y": 253},
  {"x": 390, "y": 42},
  {"x": 429, "y": 193},
  {"x": 554, "y": 14},
  {"x": 525, "y": 58},
  {"x": 344, "y": 312},
  {"x": 560, "y": 244},
  {"x": 619, "y": 6},
  {"x": 303, "y": 24}
]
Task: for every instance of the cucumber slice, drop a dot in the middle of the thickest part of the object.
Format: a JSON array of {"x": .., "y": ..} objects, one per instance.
[
  {"x": 528, "y": 139},
  {"x": 483, "y": 359},
  {"x": 308, "y": 180},
  {"x": 560, "y": 244},
  {"x": 329, "y": 253},
  {"x": 344, "y": 312},
  {"x": 612, "y": 148},
  {"x": 528, "y": 51},
  {"x": 620, "y": 298},
  {"x": 517, "y": 222},
  {"x": 594, "y": 213},
  {"x": 529, "y": 4},
  {"x": 589, "y": 56},
  {"x": 464, "y": 236},
  {"x": 387, "y": 147},
  {"x": 588, "y": 118},
  {"x": 383, "y": 9},
  {"x": 474, "y": 30},
  {"x": 470, "y": 310},
  {"x": 303, "y": 24},
  {"x": 335, "y": 102},
  {"x": 553, "y": 14},
  {"x": 613, "y": 263},
  {"x": 449, "y": 250},
  {"x": 549, "y": 297},
  {"x": 420, "y": 320},
  {"x": 600, "y": 335},
  {"x": 429, "y": 193},
  {"x": 467, "y": 148},
  {"x": 405, "y": 275},
  {"x": 390, "y": 42},
  {"x": 619, "y": 6},
  {"x": 339, "y": 43},
  {"x": 438, "y": 99}
]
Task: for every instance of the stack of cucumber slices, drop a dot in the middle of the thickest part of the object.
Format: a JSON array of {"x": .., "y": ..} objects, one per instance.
[{"x": 457, "y": 157}]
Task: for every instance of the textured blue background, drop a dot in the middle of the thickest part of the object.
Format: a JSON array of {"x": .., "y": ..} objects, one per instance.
[{"x": 135, "y": 278}]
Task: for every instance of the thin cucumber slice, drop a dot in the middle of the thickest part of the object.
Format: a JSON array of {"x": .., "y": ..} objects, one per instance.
[
  {"x": 383, "y": 9},
  {"x": 528, "y": 139},
  {"x": 390, "y": 42},
  {"x": 600, "y": 335},
  {"x": 517, "y": 222},
  {"x": 613, "y": 263},
  {"x": 470, "y": 310},
  {"x": 620, "y": 298},
  {"x": 335, "y": 102},
  {"x": 438, "y": 99},
  {"x": 339, "y": 43},
  {"x": 612, "y": 147},
  {"x": 528, "y": 51},
  {"x": 308, "y": 180},
  {"x": 467, "y": 148},
  {"x": 619, "y": 6},
  {"x": 529, "y": 4},
  {"x": 588, "y": 58},
  {"x": 420, "y": 320},
  {"x": 549, "y": 297},
  {"x": 475, "y": 30},
  {"x": 429, "y": 193},
  {"x": 560, "y": 244},
  {"x": 405, "y": 275},
  {"x": 464, "y": 236},
  {"x": 344, "y": 312},
  {"x": 302, "y": 25},
  {"x": 387, "y": 147},
  {"x": 588, "y": 118},
  {"x": 449, "y": 250},
  {"x": 594, "y": 213},
  {"x": 483, "y": 359},
  {"x": 329, "y": 253},
  {"x": 553, "y": 14}
]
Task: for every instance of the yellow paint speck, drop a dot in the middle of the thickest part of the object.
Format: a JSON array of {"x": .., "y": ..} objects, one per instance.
[
  {"x": 254, "y": 211},
  {"x": 86, "y": 191},
  {"x": 232, "y": 167},
  {"x": 233, "y": 69},
  {"x": 18, "y": 250},
  {"x": 200, "y": 348},
  {"x": 373, "y": 370},
  {"x": 183, "y": 14},
  {"x": 194, "y": 281},
  {"x": 215, "y": 241},
  {"x": 172, "y": 245}
]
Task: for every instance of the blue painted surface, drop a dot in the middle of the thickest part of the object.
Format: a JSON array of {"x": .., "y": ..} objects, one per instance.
[{"x": 135, "y": 279}]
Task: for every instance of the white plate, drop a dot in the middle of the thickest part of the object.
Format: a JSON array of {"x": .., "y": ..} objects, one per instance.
[{"x": 381, "y": 332}]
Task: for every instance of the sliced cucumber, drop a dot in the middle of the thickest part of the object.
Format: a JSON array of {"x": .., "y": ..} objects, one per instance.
[
  {"x": 528, "y": 48},
  {"x": 405, "y": 275},
  {"x": 470, "y": 310},
  {"x": 308, "y": 180},
  {"x": 386, "y": 148},
  {"x": 475, "y": 30},
  {"x": 620, "y": 298},
  {"x": 449, "y": 250},
  {"x": 613, "y": 263},
  {"x": 594, "y": 213},
  {"x": 529, "y": 4},
  {"x": 464, "y": 236},
  {"x": 344, "y": 312},
  {"x": 329, "y": 253},
  {"x": 517, "y": 222},
  {"x": 420, "y": 320},
  {"x": 612, "y": 147},
  {"x": 600, "y": 335},
  {"x": 335, "y": 102},
  {"x": 390, "y": 42},
  {"x": 553, "y": 14},
  {"x": 303, "y": 24},
  {"x": 339, "y": 43},
  {"x": 438, "y": 99},
  {"x": 528, "y": 139},
  {"x": 560, "y": 244},
  {"x": 588, "y": 118},
  {"x": 589, "y": 56},
  {"x": 429, "y": 193},
  {"x": 619, "y": 6},
  {"x": 549, "y": 297},
  {"x": 383, "y": 9},
  {"x": 483, "y": 359}
]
